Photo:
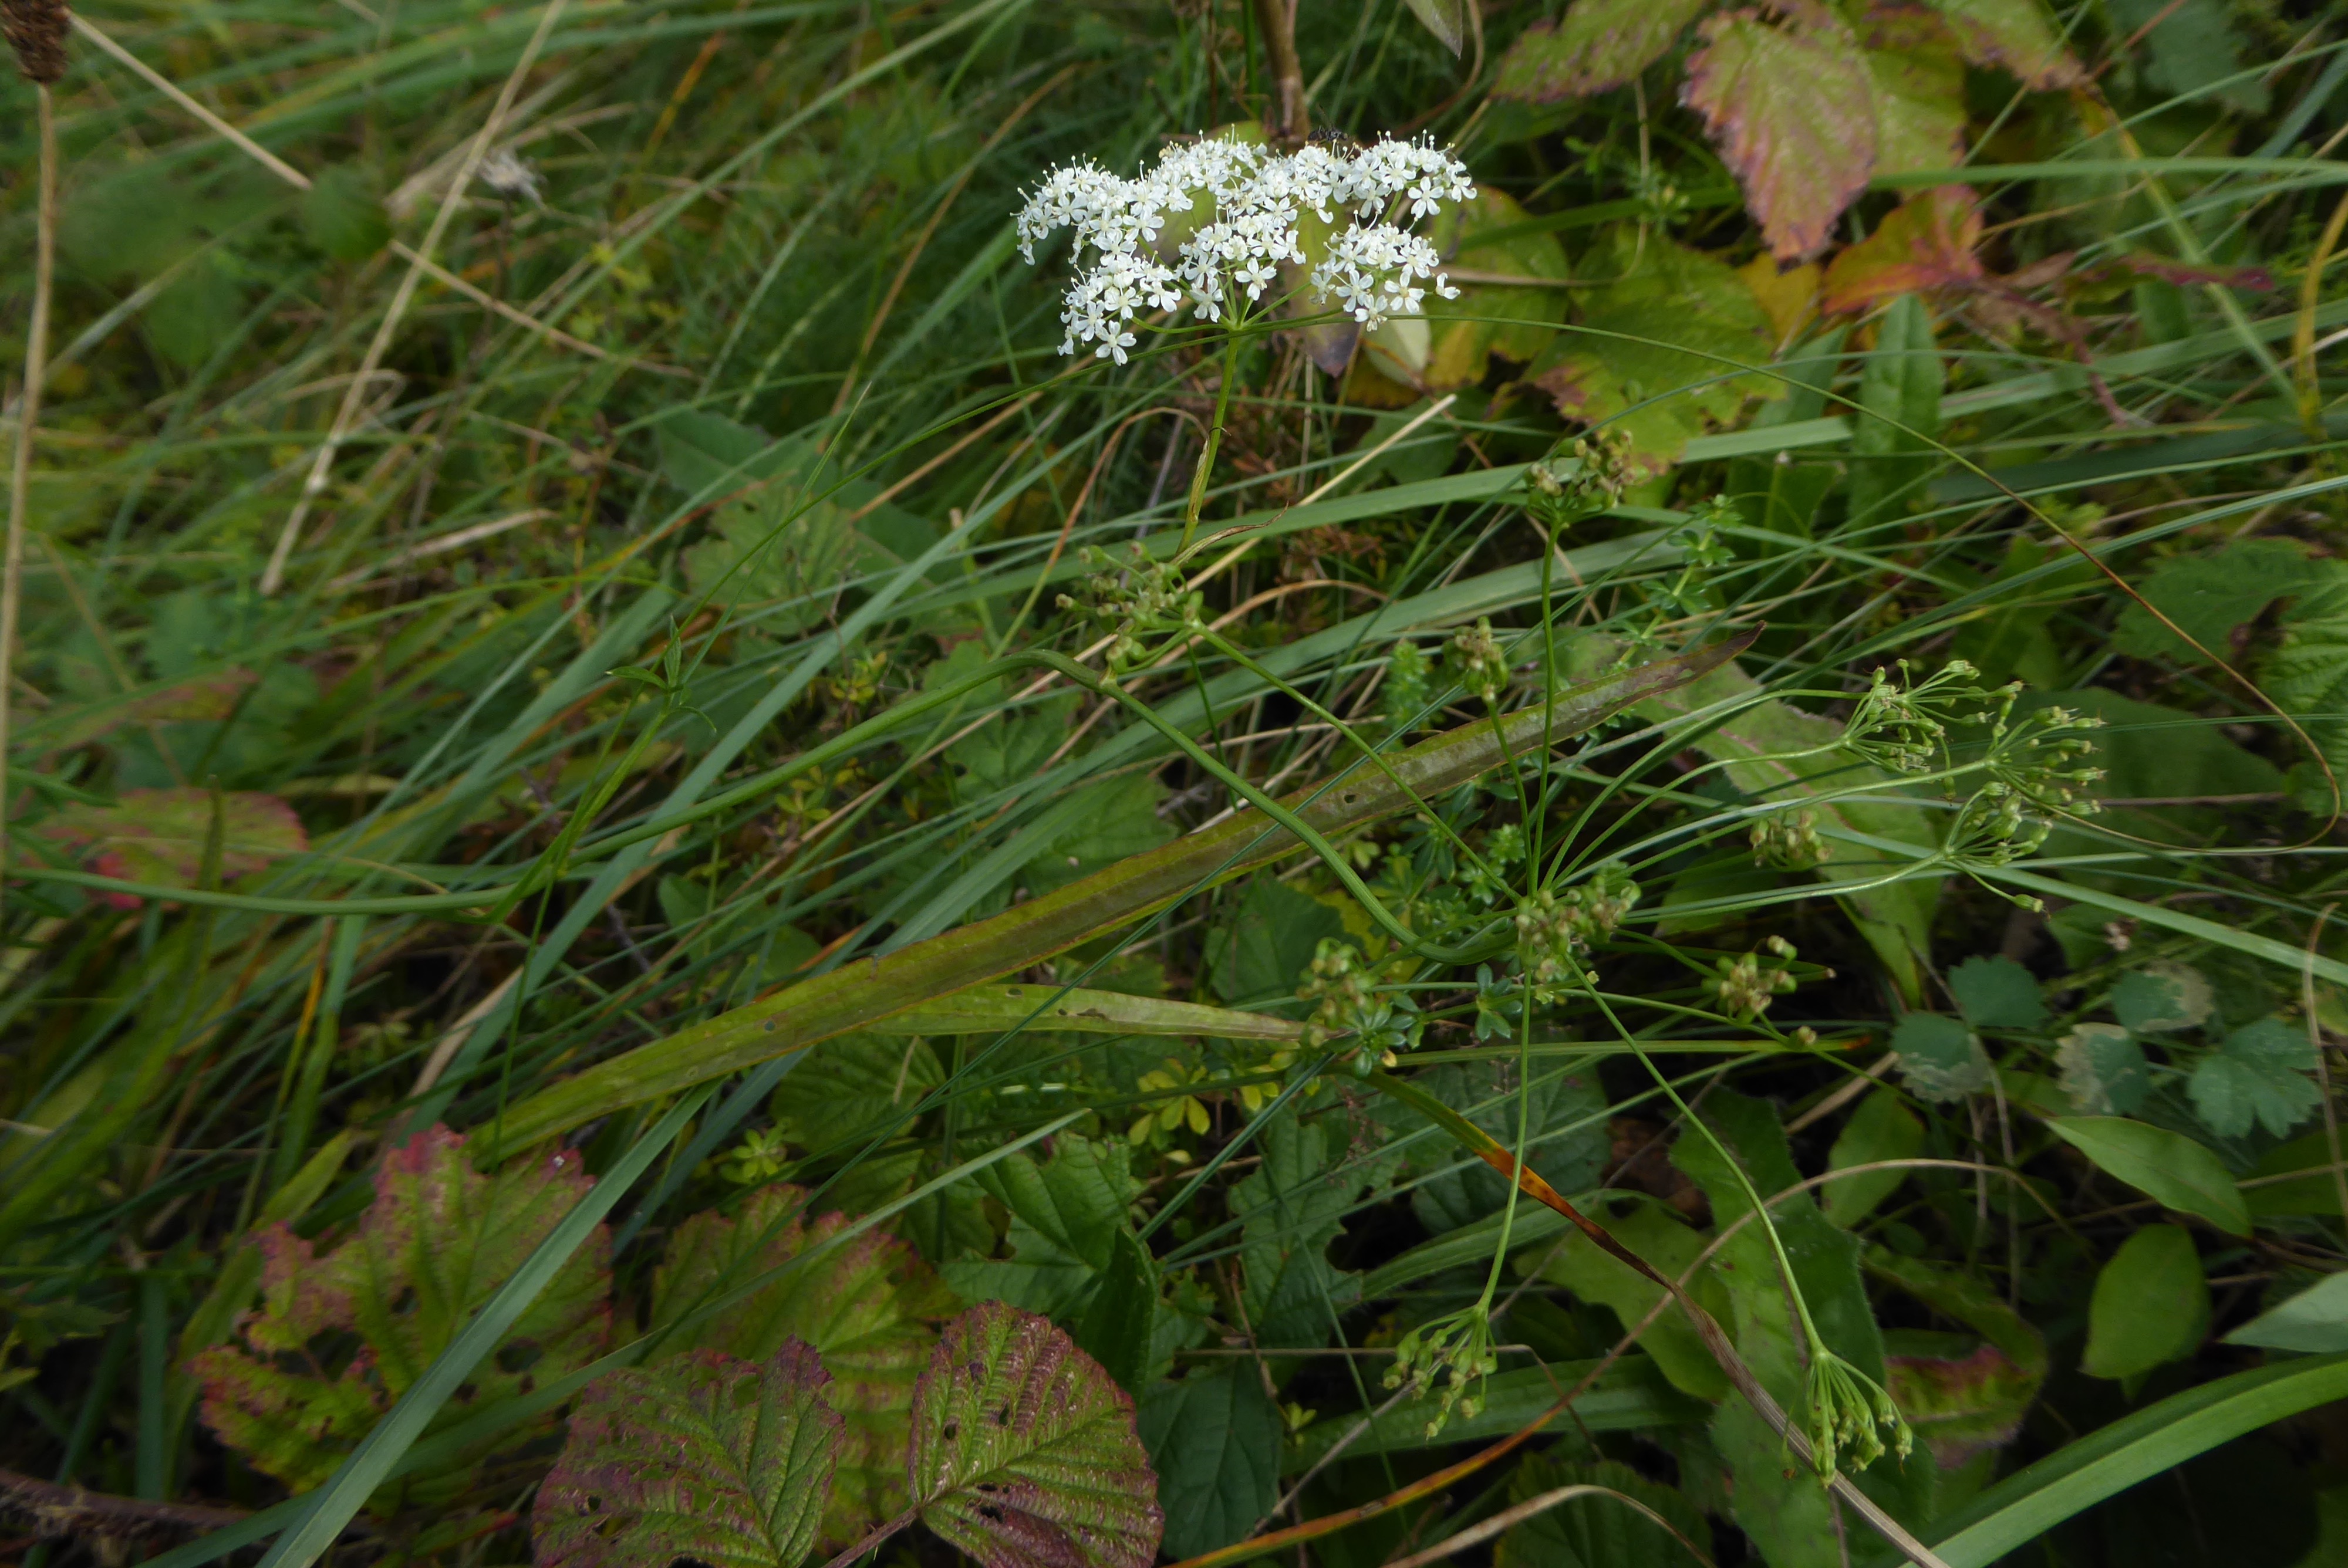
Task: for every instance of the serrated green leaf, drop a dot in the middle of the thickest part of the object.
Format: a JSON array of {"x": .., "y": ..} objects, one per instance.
[
  {"x": 708, "y": 1458},
  {"x": 2182, "y": 1173},
  {"x": 2195, "y": 51},
  {"x": 1997, "y": 993},
  {"x": 2258, "y": 1076},
  {"x": 868, "y": 1306},
  {"x": 2208, "y": 595},
  {"x": 1262, "y": 951},
  {"x": 1919, "y": 90},
  {"x": 1111, "y": 821},
  {"x": 1025, "y": 1453},
  {"x": 2307, "y": 674},
  {"x": 2162, "y": 997},
  {"x": 1597, "y": 45},
  {"x": 2016, "y": 35},
  {"x": 339, "y": 1338},
  {"x": 2150, "y": 1306},
  {"x": 1065, "y": 1215},
  {"x": 1292, "y": 1207},
  {"x": 1671, "y": 1244},
  {"x": 1118, "y": 1328},
  {"x": 2104, "y": 1069},
  {"x": 1940, "y": 1058},
  {"x": 856, "y": 1087},
  {"x": 2313, "y": 1322},
  {"x": 1566, "y": 1137},
  {"x": 1597, "y": 1532},
  {"x": 1214, "y": 1438},
  {"x": 1882, "y": 1128}
]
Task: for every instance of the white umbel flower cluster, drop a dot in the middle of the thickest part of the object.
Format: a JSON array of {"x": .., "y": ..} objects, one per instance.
[{"x": 1215, "y": 221}]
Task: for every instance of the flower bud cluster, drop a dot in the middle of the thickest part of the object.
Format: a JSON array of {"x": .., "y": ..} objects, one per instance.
[
  {"x": 1347, "y": 1003},
  {"x": 1134, "y": 254},
  {"x": 1138, "y": 595},
  {"x": 1789, "y": 841},
  {"x": 1744, "y": 988},
  {"x": 1477, "y": 660},
  {"x": 1554, "y": 929}
]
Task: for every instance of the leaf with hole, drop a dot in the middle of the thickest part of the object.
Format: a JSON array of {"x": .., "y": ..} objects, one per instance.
[
  {"x": 339, "y": 1338},
  {"x": 707, "y": 1459},
  {"x": 1066, "y": 1214},
  {"x": 2182, "y": 1174},
  {"x": 1025, "y": 1453},
  {"x": 869, "y": 1305}
]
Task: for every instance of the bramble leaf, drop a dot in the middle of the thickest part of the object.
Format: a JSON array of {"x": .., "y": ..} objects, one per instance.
[
  {"x": 204, "y": 697},
  {"x": 1599, "y": 1532},
  {"x": 1671, "y": 1245},
  {"x": 852, "y": 1090},
  {"x": 157, "y": 835},
  {"x": 1259, "y": 952},
  {"x": 2208, "y": 595},
  {"x": 1597, "y": 45},
  {"x": 708, "y": 1458},
  {"x": 1566, "y": 1137},
  {"x": 1065, "y": 1215},
  {"x": 1214, "y": 1438},
  {"x": 2307, "y": 675},
  {"x": 868, "y": 1306},
  {"x": 339, "y": 1338},
  {"x": 1919, "y": 90},
  {"x": 1025, "y": 1453},
  {"x": 1926, "y": 245},
  {"x": 2151, "y": 1304},
  {"x": 2258, "y": 1075},
  {"x": 2016, "y": 35},
  {"x": 1792, "y": 109}
]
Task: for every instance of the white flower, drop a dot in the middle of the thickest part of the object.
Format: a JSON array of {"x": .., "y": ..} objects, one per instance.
[{"x": 1248, "y": 199}]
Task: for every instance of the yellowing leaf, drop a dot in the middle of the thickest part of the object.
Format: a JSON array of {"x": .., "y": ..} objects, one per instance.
[
  {"x": 1661, "y": 351},
  {"x": 2016, "y": 35},
  {"x": 1792, "y": 109},
  {"x": 708, "y": 1458},
  {"x": 339, "y": 1338},
  {"x": 1788, "y": 296},
  {"x": 868, "y": 1305},
  {"x": 1025, "y": 1453},
  {"x": 1924, "y": 246},
  {"x": 1490, "y": 318},
  {"x": 1919, "y": 90},
  {"x": 1598, "y": 44},
  {"x": 157, "y": 835}
]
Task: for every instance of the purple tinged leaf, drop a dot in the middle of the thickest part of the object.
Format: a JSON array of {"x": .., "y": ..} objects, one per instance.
[
  {"x": 1025, "y": 1453},
  {"x": 157, "y": 835},
  {"x": 2017, "y": 35},
  {"x": 869, "y": 1307},
  {"x": 725, "y": 1462},
  {"x": 1792, "y": 109},
  {"x": 193, "y": 701},
  {"x": 338, "y": 1339},
  {"x": 1599, "y": 45}
]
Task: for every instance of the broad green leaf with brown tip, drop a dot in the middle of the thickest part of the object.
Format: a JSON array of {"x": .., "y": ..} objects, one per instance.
[
  {"x": 869, "y": 1305},
  {"x": 1025, "y": 1453},
  {"x": 1662, "y": 349},
  {"x": 1597, "y": 45},
  {"x": 339, "y": 1338},
  {"x": 2016, "y": 35},
  {"x": 157, "y": 835},
  {"x": 708, "y": 1458},
  {"x": 1792, "y": 109}
]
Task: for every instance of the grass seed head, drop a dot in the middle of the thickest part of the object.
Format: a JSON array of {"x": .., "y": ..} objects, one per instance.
[{"x": 36, "y": 30}]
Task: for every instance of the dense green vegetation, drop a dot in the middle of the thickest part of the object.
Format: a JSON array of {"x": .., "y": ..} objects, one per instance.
[{"x": 657, "y": 866}]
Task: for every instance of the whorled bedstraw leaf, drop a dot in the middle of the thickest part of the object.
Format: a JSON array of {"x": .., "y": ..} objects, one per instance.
[
  {"x": 705, "y": 1459},
  {"x": 1791, "y": 107},
  {"x": 2162, "y": 997},
  {"x": 1214, "y": 1438},
  {"x": 868, "y": 1306},
  {"x": 2104, "y": 1069},
  {"x": 1940, "y": 1058},
  {"x": 2150, "y": 1305},
  {"x": 2258, "y": 1075},
  {"x": 1597, "y": 45},
  {"x": 1024, "y": 1453},
  {"x": 1995, "y": 992},
  {"x": 339, "y": 1338}
]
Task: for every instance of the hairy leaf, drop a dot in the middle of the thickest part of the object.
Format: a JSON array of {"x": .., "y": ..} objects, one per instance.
[
  {"x": 157, "y": 835},
  {"x": 2208, "y": 595},
  {"x": 2170, "y": 1166},
  {"x": 1792, "y": 108},
  {"x": 1065, "y": 1215},
  {"x": 1025, "y": 1453},
  {"x": 857, "y": 1087},
  {"x": 868, "y": 1306},
  {"x": 2151, "y": 1304},
  {"x": 1261, "y": 952},
  {"x": 1214, "y": 1438},
  {"x": 338, "y": 1339},
  {"x": 1118, "y": 1328},
  {"x": 1598, "y": 45},
  {"x": 708, "y": 1458}
]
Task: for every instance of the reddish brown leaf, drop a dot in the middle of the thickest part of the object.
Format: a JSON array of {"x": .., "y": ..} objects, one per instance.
[
  {"x": 1600, "y": 44},
  {"x": 207, "y": 697},
  {"x": 2016, "y": 35},
  {"x": 157, "y": 835},
  {"x": 1926, "y": 245},
  {"x": 2188, "y": 275},
  {"x": 338, "y": 1339},
  {"x": 1024, "y": 1453},
  {"x": 708, "y": 1458},
  {"x": 1792, "y": 109}
]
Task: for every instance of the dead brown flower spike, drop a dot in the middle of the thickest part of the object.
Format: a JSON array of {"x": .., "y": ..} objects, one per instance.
[{"x": 36, "y": 30}]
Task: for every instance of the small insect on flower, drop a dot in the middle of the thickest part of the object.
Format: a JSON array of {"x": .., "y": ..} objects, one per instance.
[{"x": 1216, "y": 219}]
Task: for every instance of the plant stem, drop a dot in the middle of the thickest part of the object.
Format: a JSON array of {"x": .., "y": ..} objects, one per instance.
[
  {"x": 1278, "y": 25},
  {"x": 28, "y": 416},
  {"x": 1214, "y": 437}
]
